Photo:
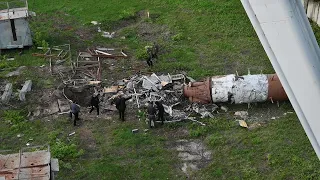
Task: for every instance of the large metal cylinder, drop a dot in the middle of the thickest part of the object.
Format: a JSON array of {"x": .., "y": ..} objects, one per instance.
[{"x": 236, "y": 89}]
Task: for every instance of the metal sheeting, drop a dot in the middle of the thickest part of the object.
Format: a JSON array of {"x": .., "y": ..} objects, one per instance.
[{"x": 27, "y": 165}]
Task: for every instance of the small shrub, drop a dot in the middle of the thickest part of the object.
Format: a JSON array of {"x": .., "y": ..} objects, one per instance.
[
  {"x": 177, "y": 37},
  {"x": 142, "y": 54},
  {"x": 39, "y": 40},
  {"x": 65, "y": 151},
  {"x": 13, "y": 116}
]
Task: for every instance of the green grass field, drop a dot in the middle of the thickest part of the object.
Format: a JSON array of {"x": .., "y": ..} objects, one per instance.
[{"x": 202, "y": 38}]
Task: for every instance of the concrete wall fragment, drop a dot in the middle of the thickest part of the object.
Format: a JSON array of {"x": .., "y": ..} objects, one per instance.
[{"x": 7, "y": 93}]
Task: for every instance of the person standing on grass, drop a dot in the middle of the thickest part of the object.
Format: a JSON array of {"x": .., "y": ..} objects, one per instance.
[
  {"x": 160, "y": 111},
  {"x": 151, "y": 114},
  {"x": 95, "y": 103},
  {"x": 75, "y": 109}
]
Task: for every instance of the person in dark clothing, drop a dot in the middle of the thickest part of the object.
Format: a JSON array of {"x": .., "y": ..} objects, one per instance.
[
  {"x": 155, "y": 50},
  {"x": 149, "y": 61},
  {"x": 151, "y": 114},
  {"x": 75, "y": 109},
  {"x": 121, "y": 106},
  {"x": 95, "y": 103},
  {"x": 160, "y": 111}
]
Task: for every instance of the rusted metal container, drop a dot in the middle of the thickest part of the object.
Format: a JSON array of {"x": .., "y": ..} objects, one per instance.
[{"x": 236, "y": 89}]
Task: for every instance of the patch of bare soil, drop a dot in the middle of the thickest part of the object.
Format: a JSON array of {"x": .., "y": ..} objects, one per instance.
[{"x": 87, "y": 140}]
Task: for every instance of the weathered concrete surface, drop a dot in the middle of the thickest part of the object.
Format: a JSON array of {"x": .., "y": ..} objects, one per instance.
[
  {"x": 7, "y": 93},
  {"x": 63, "y": 105},
  {"x": 193, "y": 154},
  {"x": 53, "y": 108},
  {"x": 26, "y": 88}
]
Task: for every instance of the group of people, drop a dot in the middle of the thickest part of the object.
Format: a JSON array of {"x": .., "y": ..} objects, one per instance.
[
  {"x": 120, "y": 102},
  {"x": 152, "y": 111}
]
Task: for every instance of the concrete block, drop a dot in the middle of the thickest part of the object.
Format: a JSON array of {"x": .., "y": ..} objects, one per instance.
[
  {"x": 7, "y": 93},
  {"x": 26, "y": 88}
]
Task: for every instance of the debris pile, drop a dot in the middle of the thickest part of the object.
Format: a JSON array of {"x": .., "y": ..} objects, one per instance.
[{"x": 165, "y": 88}]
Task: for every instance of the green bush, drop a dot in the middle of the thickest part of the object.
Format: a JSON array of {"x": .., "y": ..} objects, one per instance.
[
  {"x": 177, "y": 37},
  {"x": 65, "y": 151}
]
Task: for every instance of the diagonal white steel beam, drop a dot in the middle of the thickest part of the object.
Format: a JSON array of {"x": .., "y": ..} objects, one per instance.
[{"x": 286, "y": 35}]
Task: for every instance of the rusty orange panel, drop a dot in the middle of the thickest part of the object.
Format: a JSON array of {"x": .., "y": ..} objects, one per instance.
[
  {"x": 199, "y": 92},
  {"x": 275, "y": 89}
]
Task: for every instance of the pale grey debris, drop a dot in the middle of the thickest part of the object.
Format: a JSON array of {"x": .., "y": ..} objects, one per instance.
[
  {"x": 16, "y": 72},
  {"x": 134, "y": 131},
  {"x": 26, "y": 88},
  {"x": 242, "y": 114},
  {"x": 7, "y": 93},
  {"x": 53, "y": 108},
  {"x": 190, "y": 79},
  {"x": 64, "y": 105}
]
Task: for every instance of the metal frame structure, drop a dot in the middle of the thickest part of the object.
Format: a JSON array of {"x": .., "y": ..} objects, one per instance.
[{"x": 287, "y": 37}]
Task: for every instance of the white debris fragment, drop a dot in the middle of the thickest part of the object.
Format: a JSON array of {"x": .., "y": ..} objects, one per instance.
[
  {"x": 242, "y": 114},
  {"x": 224, "y": 108},
  {"x": 16, "y": 72},
  {"x": 94, "y": 22},
  {"x": 108, "y": 34},
  {"x": 26, "y": 88},
  {"x": 242, "y": 123},
  {"x": 135, "y": 131},
  {"x": 73, "y": 133},
  {"x": 273, "y": 118},
  {"x": 7, "y": 93},
  {"x": 28, "y": 144},
  {"x": 19, "y": 135}
]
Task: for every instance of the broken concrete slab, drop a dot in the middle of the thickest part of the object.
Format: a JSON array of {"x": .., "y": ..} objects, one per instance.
[
  {"x": 16, "y": 72},
  {"x": 7, "y": 93},
  {"x": 26, "y": 88},
  {"x": 64, "y": 105},
  {"x": 53, "y": 108}
]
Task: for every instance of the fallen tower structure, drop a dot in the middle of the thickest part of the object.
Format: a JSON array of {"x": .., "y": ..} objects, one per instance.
[{"x": 236, "y": 89}]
